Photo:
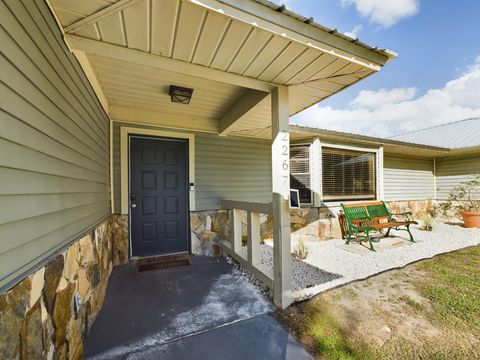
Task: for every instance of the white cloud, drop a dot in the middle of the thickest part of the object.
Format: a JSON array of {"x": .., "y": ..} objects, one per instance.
[
  {"x": 389, "y": 112},
  {"x": 375, "y": 99},
  {"x": 384, "y": 12},
  {"x": 354, "y": 33}
]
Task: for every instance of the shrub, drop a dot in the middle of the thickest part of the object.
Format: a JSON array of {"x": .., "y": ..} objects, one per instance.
[
  {"x": 464, "y": 197},
  {"x": 427, "y": 222},
  {"x": 301, "y": 250}
]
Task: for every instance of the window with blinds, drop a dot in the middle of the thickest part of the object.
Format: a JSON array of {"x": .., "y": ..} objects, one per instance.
[
  {"x": 348, "y": 175},
  {"x": 300, "y": 172}
]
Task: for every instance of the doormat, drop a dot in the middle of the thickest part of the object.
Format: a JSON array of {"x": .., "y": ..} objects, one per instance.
[{"x": 163, "y": 262}]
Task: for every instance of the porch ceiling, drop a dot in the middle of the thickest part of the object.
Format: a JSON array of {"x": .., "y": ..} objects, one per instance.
[{"x": 208, "y": 35}]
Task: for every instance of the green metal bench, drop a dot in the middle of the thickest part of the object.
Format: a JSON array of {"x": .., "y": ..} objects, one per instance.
[{"x": 366, "y": 218}]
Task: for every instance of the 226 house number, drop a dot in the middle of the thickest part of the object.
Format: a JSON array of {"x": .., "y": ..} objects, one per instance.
[{"x": 285, "y": 158}]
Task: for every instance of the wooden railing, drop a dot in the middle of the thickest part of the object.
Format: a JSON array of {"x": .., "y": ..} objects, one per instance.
[{"x": 252, "y": 260}]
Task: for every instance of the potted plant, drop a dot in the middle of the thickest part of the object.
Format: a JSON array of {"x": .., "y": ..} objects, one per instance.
[{"x": 465, "y": 199}]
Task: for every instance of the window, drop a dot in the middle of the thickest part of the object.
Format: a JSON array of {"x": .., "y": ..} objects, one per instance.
[
  {"x": 300, "y": 172},
  {"x": 348, "y": 174}
]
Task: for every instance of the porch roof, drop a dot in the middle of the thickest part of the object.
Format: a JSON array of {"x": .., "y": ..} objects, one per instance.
[{"x": 233, "y": 53}]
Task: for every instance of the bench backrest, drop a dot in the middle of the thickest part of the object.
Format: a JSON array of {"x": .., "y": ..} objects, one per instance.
[{"x": 365, "y": 212}]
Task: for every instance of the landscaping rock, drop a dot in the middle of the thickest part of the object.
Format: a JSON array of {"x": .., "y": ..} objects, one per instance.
[
  {"x": 62, "y": 313},
  {"x": 13, "y": 306},
  {"x": 53, "y": 274},
  {"x": 38, "y": 282},
  {"x": 120, "y": 236},
  {"x": 31, "y": 335}
]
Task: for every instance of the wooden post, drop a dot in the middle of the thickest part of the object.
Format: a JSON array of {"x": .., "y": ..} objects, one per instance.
[
  {"x": 282, "y": 261},
  {"x": 236, "y": 239},
  {"x": 253, "y": 242}
]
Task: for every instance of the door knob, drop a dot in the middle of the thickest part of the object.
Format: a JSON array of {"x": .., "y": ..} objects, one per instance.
[{"x": 134, "y": 205}]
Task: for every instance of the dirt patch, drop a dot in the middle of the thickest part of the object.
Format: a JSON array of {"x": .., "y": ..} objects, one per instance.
[{"x": 397, "y": 314}]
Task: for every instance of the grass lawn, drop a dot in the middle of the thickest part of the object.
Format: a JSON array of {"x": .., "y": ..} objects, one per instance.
[{"x": 428, "y": 310}]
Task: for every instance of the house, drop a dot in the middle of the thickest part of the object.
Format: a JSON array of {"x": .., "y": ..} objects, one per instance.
[
  {"x": 125, "y": 124},
  {"x": 411, "y": 171},
  {"x": 134, "y": 128}
]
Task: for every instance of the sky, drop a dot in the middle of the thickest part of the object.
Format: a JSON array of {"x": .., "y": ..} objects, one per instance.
[{"x": 434, "y": 80}]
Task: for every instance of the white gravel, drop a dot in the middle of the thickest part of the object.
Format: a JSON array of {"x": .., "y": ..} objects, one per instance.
[{"x": 332, "y": 263}]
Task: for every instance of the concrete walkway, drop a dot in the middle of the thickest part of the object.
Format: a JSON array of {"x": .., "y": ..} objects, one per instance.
[{"x": 206, "y": 311}]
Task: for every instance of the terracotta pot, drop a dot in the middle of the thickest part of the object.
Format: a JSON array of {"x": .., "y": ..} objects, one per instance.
[{"x": 471, "y": 219}]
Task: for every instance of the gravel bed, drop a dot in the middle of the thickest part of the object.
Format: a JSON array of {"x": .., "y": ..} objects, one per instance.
[{"x": 330, "y": 264}]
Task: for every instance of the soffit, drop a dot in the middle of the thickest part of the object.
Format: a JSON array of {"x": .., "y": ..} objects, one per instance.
[
  {"x": 143, "y": 88},
  {"x": 187, "y": 32}
]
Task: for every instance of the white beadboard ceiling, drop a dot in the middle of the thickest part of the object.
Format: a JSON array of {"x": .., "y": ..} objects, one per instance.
[{"x": 185, "y": 31}]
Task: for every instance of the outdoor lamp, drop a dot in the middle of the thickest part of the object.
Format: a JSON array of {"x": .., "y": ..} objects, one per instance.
[{"x": 180, "y": 94}]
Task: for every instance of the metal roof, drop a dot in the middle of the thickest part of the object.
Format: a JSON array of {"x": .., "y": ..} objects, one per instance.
[
  {"x": 390, "y": 54},
  {"x": 340, "y": 135},
  {"x": 454, "y": 135}
]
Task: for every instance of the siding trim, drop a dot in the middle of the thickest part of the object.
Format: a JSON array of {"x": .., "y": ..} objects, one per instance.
[{"x": 124, "y": 160}]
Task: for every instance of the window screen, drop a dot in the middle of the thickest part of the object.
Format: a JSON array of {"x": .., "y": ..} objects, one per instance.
[
  {"x": 300, "y": 172},
  {"x": 348, "y": 175}
]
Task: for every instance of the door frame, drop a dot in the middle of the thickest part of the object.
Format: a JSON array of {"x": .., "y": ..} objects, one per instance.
[{"x": 125, "y": 134}]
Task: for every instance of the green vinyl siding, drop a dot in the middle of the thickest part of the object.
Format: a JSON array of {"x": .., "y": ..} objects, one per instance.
[
  {"x": 231, "y": 168},
  {"x": 451, "y": 171},
  {"x": 54, "y": 136},
  {"x": 226, "y": 167},
  {"x": 407, "y": 178}
]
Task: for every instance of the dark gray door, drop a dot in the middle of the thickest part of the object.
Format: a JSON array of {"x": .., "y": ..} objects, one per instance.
[{"x": 158, "y": 196}]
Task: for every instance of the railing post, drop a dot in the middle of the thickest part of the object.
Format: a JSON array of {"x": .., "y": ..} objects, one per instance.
[
  {"x": 236, "y": 239},
  {"x": 253, "y": 242},
  {"x": 282, "y": 261}
]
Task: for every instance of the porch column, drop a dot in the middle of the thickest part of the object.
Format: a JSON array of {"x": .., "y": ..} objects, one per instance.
[{"x": 282, "y": 262}]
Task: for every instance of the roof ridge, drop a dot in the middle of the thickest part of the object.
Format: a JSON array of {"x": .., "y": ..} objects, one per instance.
[{"x": 433, "y": 127}]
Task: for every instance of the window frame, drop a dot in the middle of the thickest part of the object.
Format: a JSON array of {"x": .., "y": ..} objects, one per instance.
[
  {"x": 378, "y": 152},
  {"x": 310, "y": 162},
  {"x": 316, "y": 172}
]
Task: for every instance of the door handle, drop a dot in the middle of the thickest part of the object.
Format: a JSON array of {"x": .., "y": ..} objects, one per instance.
[{"x": 134, "y": 205}]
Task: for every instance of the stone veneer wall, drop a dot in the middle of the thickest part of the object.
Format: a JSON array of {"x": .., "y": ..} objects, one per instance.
[
  {"x": 39, "y": 317},
  {"x": 208, "y": 228},
  {"x": 120, "y": 245}
]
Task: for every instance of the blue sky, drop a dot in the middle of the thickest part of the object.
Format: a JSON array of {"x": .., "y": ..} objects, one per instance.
[{"x": 434, "y": 80}]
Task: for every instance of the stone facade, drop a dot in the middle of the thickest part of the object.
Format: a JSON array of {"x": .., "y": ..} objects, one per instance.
[
  {"x": 47, "y": 315},
  {"x": 313, "y": 224},
  {"x": 208, "y": 228},
  {"x": 418, "y": 208},
  {"x": 120, "y": 245}
]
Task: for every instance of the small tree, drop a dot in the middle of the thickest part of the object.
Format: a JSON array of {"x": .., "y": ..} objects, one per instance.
[{"x": 464, "y": 197}]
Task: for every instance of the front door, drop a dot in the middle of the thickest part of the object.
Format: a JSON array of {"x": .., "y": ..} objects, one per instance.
[{"x": 158, "y": 196}]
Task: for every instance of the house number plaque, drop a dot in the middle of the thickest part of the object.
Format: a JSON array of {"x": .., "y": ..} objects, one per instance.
[{"x": 281, "y": 162}]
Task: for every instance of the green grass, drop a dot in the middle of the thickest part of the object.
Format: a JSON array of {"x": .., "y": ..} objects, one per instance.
[
  {"x": 413, "y": 304},
  {"x": 450, "y": 285},
  {"x": 453, "y": 288},
  {"x": 317, "y": 323}
]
